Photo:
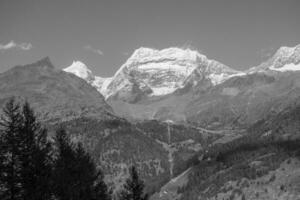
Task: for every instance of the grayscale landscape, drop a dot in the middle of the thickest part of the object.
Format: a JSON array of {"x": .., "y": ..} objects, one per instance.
[{"x": 158, "y": 100}]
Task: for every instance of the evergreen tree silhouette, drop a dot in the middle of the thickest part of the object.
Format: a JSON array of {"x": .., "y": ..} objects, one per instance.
[
  {"x": 133, "y": 188},
  {"x": 25, "y": 155},
  {"x": 35, "y": 157},
  {"x": 10, "y": 148},
  {"x": 75, "y": 175}
]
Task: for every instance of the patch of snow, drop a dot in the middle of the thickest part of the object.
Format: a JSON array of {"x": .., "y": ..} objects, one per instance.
[
  {"x": 143, "y": 56},
  {"x": 146, "y": 54},
  {"x": 220, "y": 78},
  {"x": 287, "y": 67},
  {"x": 162, "y": 91},
  {"x": 154, "y": 67},
  {"x": 285, "y": 51},
  {"x": 79, "y": 69},
  {"x": 101, "y": 84}
]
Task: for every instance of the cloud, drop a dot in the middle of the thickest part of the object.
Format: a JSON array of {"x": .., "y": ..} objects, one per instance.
[
  {"x": 90, "y": 48},
  {"x": 13, "y": 45}
]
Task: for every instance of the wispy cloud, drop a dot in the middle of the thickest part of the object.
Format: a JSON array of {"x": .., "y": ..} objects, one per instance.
[
  {"x": 94, "y": 50},
  {"x": 13, "y": 45}
]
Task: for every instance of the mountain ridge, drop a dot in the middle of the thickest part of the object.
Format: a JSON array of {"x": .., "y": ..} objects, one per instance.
[
  {"x": 175, "y": 63},
  {"x": 181, "y": 64},
  {"x": 51, "y": 89}
]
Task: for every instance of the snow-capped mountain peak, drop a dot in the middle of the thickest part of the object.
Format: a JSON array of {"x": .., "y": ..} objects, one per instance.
[
  {"x": 153, "y": 72},
  {"x": 287, "y": 51},
  {"x": 144, "y": 54},
  {"x": 285, "y": 59},
  {"x": 81, "y": 70},
  {"x": 144, "y": 58},
  {"x": 159, "y": 72}
]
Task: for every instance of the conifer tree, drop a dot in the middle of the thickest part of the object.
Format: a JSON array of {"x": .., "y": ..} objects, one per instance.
[
  {"x": 101, "y": 191},
  {"x": 2, "y": 165},
  {"x": 10, "y": 148},
  {"x": 75, "y": 174},
  {"x": 35, "y": 157},
  {"x": 25, "y": 164},
  {"x": 63, "y": 167},
  {"x": 133, "y": 188}
]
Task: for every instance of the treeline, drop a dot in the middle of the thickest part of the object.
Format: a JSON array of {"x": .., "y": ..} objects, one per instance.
[{"x": 33, "y": 168}]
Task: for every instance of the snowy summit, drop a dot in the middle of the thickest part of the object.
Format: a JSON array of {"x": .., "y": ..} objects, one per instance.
[
  {"x": 81, "y": 70},
  {"x": 152, "y": 72}
]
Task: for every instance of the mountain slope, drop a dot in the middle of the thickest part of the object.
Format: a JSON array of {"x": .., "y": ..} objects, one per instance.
[
  {"x": 242, "y": 101},
  {"x": 263, "y": 164},
  {"x": 53, "y": 93},
  {"x": 265, "y": 90}
]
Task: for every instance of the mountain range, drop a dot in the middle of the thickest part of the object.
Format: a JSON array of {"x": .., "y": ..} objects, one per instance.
[
  {"x": 185, "y": 86},
  {"x": 162, "y": 109}
]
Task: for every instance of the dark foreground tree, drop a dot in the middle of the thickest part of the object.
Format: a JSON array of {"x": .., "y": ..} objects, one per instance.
[
  {"x": 10, "y": 149},
  {"x": 133, "y": 187},
  {"x": 35, "y": 157},
  {"x": 75, "y": 174},
  {"x": 27, "y": 170},
  {"x": 25, "y": 165}
]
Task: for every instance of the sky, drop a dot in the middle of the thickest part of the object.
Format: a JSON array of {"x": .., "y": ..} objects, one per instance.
[{"x": 104, "y": 33}]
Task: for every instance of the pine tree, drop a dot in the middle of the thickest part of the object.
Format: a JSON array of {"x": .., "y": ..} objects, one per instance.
[
  {"x": 91, "y": 186},
  {"x": 63, "y": 167},
  {"x": 101, "y": 191},
  {"x": 25, "y": 167},
  {"x": 2, "y": 164},
  {"x": 75, "y": 174},
  {"x": 34, "y": 157},
  {"x": 133, "y": 187},
  {"x": 11, "y": 122}
]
